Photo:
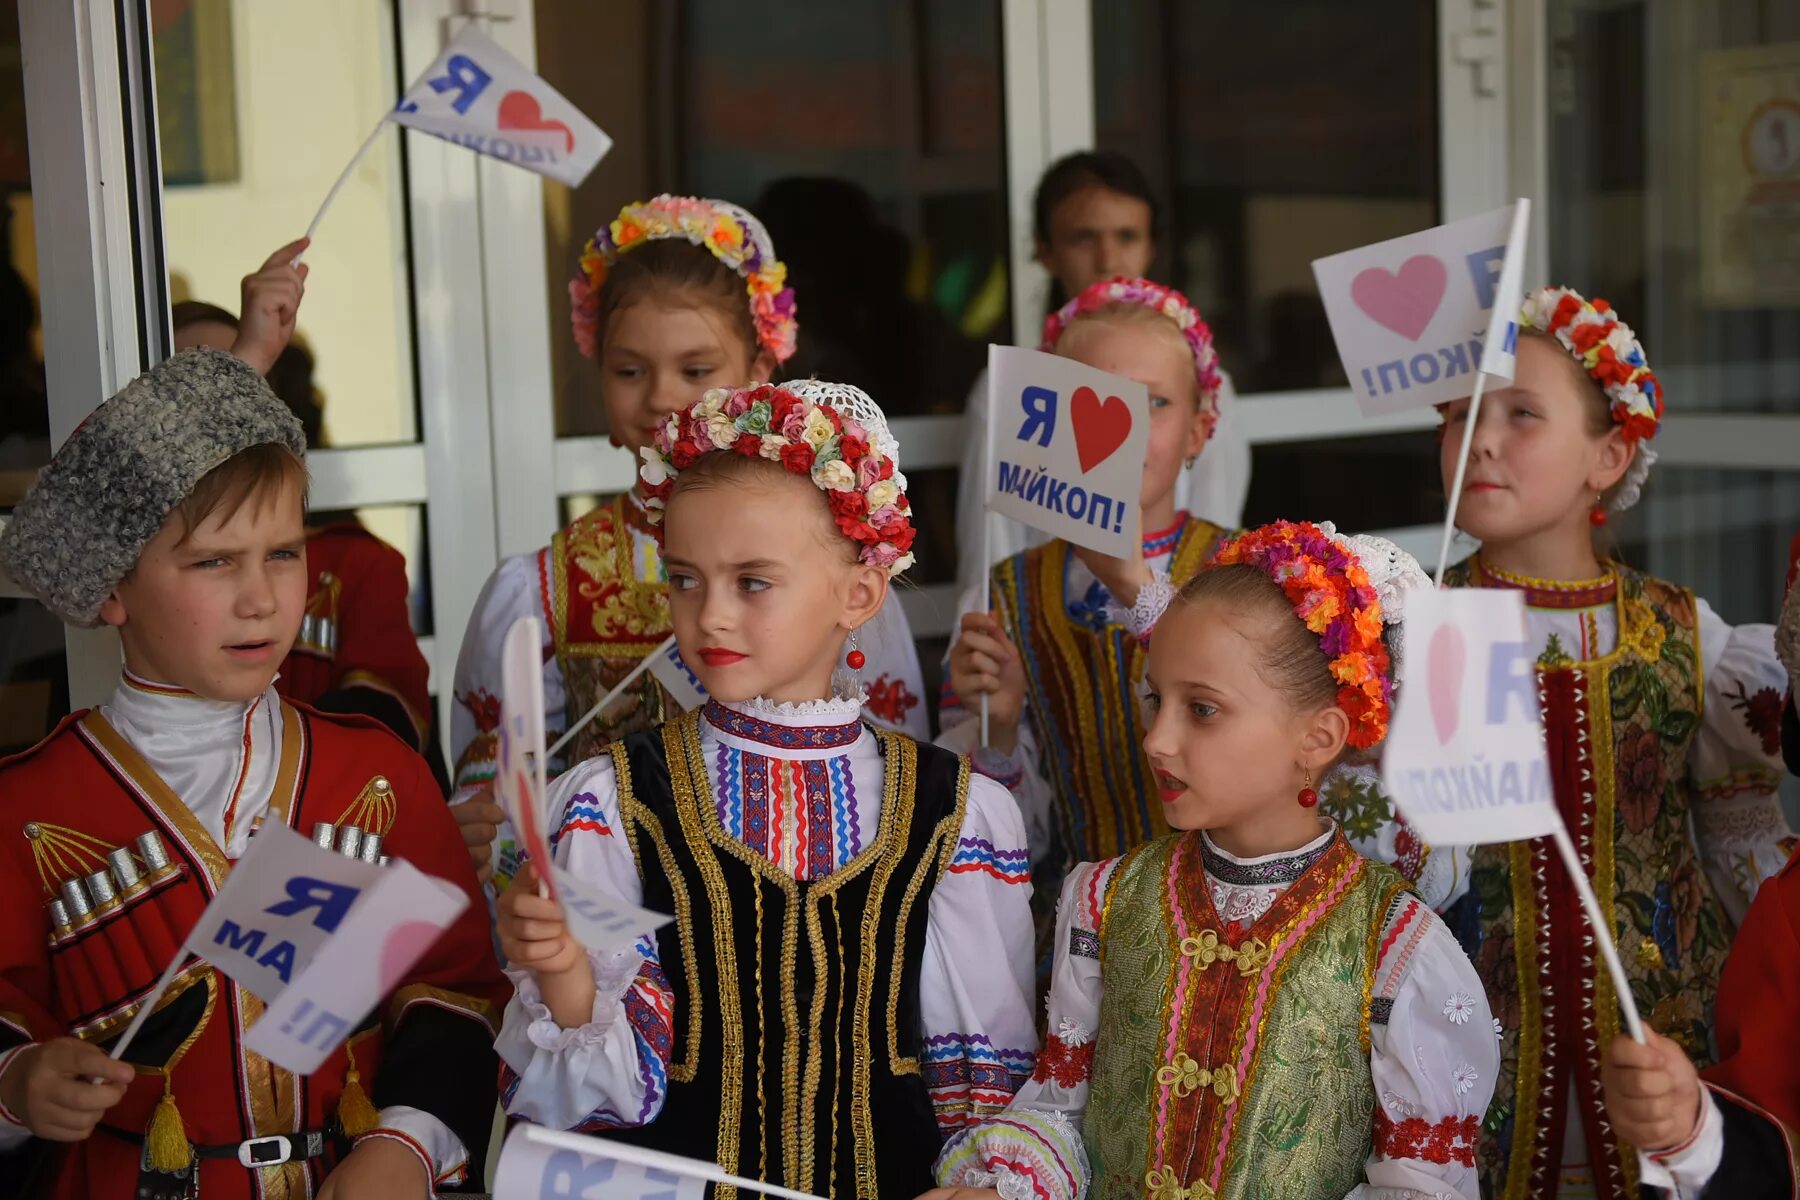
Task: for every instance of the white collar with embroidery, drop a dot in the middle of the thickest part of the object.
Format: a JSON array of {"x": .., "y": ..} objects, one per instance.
[{"x": 799, "y": 729}]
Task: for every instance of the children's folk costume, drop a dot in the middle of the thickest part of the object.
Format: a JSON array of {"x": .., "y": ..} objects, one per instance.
[
  {"x": 356, "y": 651},
  {"x": 117, "y": 830},
  {"x": 599, "y": 587},
  {"x": 1078, "y": 770},
  {"x": 1748, "y": 1142},
  {"x": 1299, "y": 1024},
  {"x": 1664, "y": 736},
  {"x": 848, "y": 975}
]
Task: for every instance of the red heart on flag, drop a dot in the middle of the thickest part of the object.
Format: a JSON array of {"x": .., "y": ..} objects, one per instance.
[
  {"x": 519, "y": 110},
  {"x": 1404, "y": 300},
  {"x": 1444, "y": 678},
  {"x": 1101, "y": 427}
]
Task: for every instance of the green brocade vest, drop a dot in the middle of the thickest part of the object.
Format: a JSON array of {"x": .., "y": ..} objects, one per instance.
[{"x": 1235, "y": 1068}]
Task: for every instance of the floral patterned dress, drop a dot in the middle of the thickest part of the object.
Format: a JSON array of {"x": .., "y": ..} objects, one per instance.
[{"x": 1663, "y": 725}]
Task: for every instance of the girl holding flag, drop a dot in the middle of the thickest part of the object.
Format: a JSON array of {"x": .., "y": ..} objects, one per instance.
[
  {"x": 848, "y": 975},
  {"x": 1249, "y": 1006},
  {"x": 676, "y": 296},
  {"x": 1664, "y": 736}
]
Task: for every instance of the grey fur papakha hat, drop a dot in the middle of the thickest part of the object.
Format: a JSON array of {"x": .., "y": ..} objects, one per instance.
[{"x": 87, "y": 519}]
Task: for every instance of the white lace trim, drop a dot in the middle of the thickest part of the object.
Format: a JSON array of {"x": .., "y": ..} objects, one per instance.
[
  {"x": 840, "y": 709},
  {"x": 1260, "y": 859},
  {"x": 1243, "y": 905},
  {"x": 614, "y": 973},
  {"x": 1153, "y": 600}
]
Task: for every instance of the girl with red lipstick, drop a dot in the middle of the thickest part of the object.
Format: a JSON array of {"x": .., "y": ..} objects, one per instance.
[
  {"x": 1664, "y": 732},
  {"x": 677, "y": 296},
  {"x": 1248, "y": 1006},
  {"x": 848, "y": 977}
]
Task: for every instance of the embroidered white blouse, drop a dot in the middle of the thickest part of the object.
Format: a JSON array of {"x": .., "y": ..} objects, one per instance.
[
  {"x": 976, "y": 986},
  {"x": 1433, "y": 1050}
]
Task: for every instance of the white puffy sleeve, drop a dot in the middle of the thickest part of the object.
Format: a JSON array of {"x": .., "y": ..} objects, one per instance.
[
  {"x": 610, "y": 1073},
  {"x": 1021, "y": 772},
  {"x": 1034, "y": 1147},
  {"x": 1734, "y": 764},
  {"x": 1433, "y": 1054},
  {"x": 978, "y": 985},
  {"x": 514, "y": 590},
  {"x": 895, "y": 682}
]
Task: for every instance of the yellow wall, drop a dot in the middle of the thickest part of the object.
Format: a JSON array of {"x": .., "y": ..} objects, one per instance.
[{"x": 311, "y": 81}]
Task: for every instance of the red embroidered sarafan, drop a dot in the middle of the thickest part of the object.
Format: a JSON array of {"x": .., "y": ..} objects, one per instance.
[
  {"x": 1069, "y": 1064},
  {"x": 1449, "y": 1140}
]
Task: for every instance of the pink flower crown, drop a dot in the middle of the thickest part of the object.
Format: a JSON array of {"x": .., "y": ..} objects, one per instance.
[
  {"x": 829, "y": 432},
  {"x": 734, "y": 237},
  {"x": 1165, "y": 300},
  {"x": 1607, "y": 350},
  {"x": 1334, "y": 597}
]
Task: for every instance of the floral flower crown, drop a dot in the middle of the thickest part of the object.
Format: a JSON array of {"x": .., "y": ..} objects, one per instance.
[
  {"x": 1334, "y": 597},
  {"x": 831, "y": 433},
  {"x": 734, "y": 237},
  {"x": 1165, "y": 300},
  {"x": 1613, "y": 357}
]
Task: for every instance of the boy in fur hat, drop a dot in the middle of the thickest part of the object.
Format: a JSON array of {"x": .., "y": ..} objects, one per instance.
[{"x": 175, "y": 514}]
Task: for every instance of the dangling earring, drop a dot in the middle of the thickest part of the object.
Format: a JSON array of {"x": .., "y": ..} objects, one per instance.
[
  {"x": 1597, "y": 515},
  {"x": 1308, "y": 797},
  {"x": 613, "y": 440},
  {"x": 1191, "y": 460},
  {"x": 854, "y": 660}
]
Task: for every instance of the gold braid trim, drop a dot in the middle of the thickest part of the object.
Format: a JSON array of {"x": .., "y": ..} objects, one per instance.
[
  {"x": 61, "y": 853},
  {"x": 1527, "y": 1077}
]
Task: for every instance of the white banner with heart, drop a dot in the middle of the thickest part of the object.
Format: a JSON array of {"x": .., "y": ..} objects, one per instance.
[
  {"x": 1067, "y": 446},
  {"x": 1411, "y": 316}
]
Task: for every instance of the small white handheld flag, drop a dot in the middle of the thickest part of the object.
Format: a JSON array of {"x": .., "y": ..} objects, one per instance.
[
  {"x": 477, "y": 95},
  {"x": 1409, "y": 314},
  {"x": 1067, "y": 448}
]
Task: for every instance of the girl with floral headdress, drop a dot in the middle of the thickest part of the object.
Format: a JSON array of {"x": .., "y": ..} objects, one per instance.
[
  {"x": 1664, "y": 732},
  {"x": 1247, "y": 1006},
  {"x": 848, "y": 974},
  {"x": 1057, "y": 658},
  {"x": 676, "y": 296}
]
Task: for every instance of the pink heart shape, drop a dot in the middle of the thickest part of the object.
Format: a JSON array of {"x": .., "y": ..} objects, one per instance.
[
  {"x": 1444, "y": 677},
  {"x": 1403, "y": 301},
  {"x": 405, "y": 944},
  {"x": 519, "y": 110},
  {"x": 1101, "y": 427}
]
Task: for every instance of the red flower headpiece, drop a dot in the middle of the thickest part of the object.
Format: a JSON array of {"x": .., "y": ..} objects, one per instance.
[
  {"x": 1333, "y": 596},
  {"x": 831, "y": 433}
]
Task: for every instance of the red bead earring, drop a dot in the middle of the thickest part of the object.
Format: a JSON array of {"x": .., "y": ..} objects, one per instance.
[
  {"x": 855, "y": 659},
  {"x": 1308, "y": 797}
]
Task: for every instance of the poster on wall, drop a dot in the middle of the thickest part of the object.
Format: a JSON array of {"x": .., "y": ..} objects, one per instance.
[{"x": 1750, "y": 177}]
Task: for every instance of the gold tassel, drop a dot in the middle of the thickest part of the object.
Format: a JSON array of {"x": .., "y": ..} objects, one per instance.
[
  {"x": 166, "y": 1139},
  {"x": 355, "y": 1112}
]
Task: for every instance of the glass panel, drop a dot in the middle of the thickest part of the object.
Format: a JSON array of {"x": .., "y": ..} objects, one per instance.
[
  {"x": 1380, "y": 481},
  {"x": 34, "y": 678},
  {"x": 878, "y": 166},
  {"x": 1679, "y": 205},
  {"x": 244, "y": 167},
  {"x": 868, "y": 136},
  {"x": 1273, "y": 134}
]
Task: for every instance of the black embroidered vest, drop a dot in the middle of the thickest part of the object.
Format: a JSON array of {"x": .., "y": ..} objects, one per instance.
[{"x": 797, "y": 1030}]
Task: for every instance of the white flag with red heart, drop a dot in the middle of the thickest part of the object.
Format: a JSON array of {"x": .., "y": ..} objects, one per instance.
[
  {"x": 1067, "y": 446},
  {"x": 479, "y": 96},
  {"x": 1411, "y": 316}
]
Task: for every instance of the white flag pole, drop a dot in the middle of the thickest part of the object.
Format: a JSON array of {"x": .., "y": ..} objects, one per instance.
[
  {"x": 606, "y": 701},
  {"x": 674, "y": 1164},
  {"x": 361, "y": 153},
  {"x": 1462, "y": 469},
  {"x": 149, "y": 1004},
  {"x": 1603, "y": 935}
]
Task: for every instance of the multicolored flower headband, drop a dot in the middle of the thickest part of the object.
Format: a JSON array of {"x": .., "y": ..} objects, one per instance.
[
  {"x": 1165, "y": 300},
  {"x": 831, "y": 433},
  {"x": 1334, "y": 597},
  {"x": 734, "y": 237},
  {"x": 1610, "y": 353}
]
